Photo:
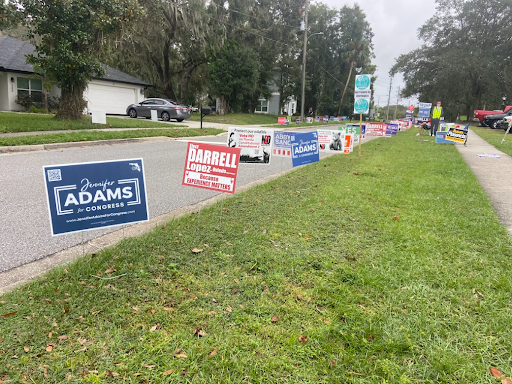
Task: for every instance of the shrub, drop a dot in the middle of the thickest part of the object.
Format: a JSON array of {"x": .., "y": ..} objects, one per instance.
[{"x": 35, "y": 104}]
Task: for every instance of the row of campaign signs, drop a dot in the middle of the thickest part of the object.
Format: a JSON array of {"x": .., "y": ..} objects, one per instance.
[
  {"x": 95, "y": 195},
  {"x": 316, "y": 119}
]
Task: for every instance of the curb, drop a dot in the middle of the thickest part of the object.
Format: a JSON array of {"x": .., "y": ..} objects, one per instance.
[{"x": 81, "y": 144}]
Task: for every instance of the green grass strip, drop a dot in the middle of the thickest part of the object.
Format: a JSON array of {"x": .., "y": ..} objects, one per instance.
[
  {"x": 29, "y": 122},
  {"x": 495, "y": 137},
  {"x": 105, "y": 135},
  {"x": 389, "y": 268}
]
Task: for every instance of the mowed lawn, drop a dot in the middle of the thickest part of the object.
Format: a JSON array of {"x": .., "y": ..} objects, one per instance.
[
  {"x": 29, "y": 122},
  {"x": 495, "y": 137},
  {"x": 386, "y": 268}
]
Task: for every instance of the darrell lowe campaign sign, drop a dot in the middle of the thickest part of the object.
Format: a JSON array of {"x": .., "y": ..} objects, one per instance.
[{"x": 95, "y": 195}]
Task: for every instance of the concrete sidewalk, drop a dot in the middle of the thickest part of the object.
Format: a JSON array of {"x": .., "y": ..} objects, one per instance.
[{"x": 494, "y": 175}]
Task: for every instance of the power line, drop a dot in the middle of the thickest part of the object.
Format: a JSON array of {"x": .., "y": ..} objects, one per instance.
[
  {"x": 259, "y": 18},
  {"x": 257, "y": 34}
]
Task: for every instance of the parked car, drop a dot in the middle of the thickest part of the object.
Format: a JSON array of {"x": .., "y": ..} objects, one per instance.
[
  {"x": 193, "y": 109},
  {"x": 479, "y": 114},
  {"x": 166, "y": 109},
  {"x": 494, "y": 121}
]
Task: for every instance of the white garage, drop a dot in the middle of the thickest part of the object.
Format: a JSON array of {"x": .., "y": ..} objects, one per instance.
[{"x": 112, "y": 97}]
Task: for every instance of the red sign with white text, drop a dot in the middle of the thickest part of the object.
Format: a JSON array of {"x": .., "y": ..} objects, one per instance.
[
  {"x": 211, "y": 167},
  {"x": 376, "y": 129}
]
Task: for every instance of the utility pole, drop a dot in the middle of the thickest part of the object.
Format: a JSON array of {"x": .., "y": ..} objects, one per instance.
[
  {"x": 389, "y": 98},
  {"x": 304, "y": 61},
  {"x": 397, "y": 98}
]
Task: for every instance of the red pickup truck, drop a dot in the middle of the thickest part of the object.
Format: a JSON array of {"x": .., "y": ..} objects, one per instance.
[{"x": 480, "y": 114}]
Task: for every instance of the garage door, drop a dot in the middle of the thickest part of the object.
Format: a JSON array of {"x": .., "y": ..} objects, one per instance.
[{"x": 112, "y": 99}]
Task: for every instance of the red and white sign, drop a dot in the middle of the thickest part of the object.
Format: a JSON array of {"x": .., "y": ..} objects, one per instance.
[
  {"x": 404, "y": 124},
  {"x": 376, "y": 129},
  {"x": 348, "y": 143},
  {"x": 281, "y": 120},
  {"x": 211, "y": 167}
]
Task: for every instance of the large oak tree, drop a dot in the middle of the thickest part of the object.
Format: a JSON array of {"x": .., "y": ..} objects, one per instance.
[{"x": 70, "y": 35}]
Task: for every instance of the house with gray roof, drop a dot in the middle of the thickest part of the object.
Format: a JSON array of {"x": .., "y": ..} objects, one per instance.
[{"x": 112, "y": 93}]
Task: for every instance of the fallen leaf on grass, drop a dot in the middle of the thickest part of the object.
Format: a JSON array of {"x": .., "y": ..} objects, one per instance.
[
  {"x": 303, "y": 339},
  {"x": 506, "y": 381},
  {"x": 264, "y": 231},
  {"x": 229, "y": 309},
  {"x": 150, "y": 366},
  {"x": 234, "y": 291},
  {"x": 246, "y": 231},
  {"x": 197, "y": 250},
  {"x": 213, "y": 353},
  {"x": 167, "y": 373},
  {"x": 1, "y": 340},
  {"x": 395, "y": 218},
  {"x": 63, "y": 337},
  {"x": 495, "y": 372},
  {"x": 9, "y": 314},
  {"x": 155, "y": 327},
  {"x": 180, "y": 354},
  {"x": 354, "y": 373},
  {"x": 26, "y": 349},
  {"x": 274, "y": 319},
  {"x": 49, "y": 348},
  {"x": 137, "y": 374},
  {"x": 199, "y": 332}
]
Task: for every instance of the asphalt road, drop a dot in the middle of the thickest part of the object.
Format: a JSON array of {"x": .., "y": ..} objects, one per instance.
[{"x": 25, "y": 234}]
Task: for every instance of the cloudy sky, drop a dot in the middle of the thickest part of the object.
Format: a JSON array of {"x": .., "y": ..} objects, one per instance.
[{"x": 395, "y": 25}]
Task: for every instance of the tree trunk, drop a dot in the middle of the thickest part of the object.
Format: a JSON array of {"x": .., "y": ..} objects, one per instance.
[
  {"x": 223, "y": 106},
  {"x": 346, "y": 85},
  {"x": 72, "y": 103}
]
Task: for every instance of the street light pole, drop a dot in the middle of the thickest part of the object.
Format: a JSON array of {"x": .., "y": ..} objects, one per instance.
[{"x": 304, "y": 50}]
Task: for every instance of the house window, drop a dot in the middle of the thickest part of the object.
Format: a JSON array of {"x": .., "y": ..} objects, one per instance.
[
  {"x": 33, "y": 87},
  {"x": 262, "y": 106}
]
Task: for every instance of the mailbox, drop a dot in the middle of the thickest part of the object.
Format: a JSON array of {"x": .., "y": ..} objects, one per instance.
[{"x": 206, "y": 111}]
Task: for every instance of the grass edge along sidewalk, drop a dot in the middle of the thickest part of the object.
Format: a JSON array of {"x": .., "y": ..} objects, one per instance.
[
  {"x": 379, "y": 269},
  {"x": 87, "y": 136}
]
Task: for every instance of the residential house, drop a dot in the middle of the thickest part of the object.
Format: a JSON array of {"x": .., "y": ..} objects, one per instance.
[{"x": 112, "y": 93}]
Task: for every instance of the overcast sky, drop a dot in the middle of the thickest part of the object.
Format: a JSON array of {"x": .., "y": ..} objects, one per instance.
[{"x": 395, "y": 26}]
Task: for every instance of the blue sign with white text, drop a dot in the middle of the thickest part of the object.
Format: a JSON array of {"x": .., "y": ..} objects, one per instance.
[
  {"x": 95, "y": 195},
  {"x": 304, "y": 148},
  {"x": 392, "y": 129}
]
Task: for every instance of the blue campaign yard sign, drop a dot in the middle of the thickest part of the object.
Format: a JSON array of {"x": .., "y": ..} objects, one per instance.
[
  {"x": 304, "y": 148},
  {"x": 95, "y": 195}
]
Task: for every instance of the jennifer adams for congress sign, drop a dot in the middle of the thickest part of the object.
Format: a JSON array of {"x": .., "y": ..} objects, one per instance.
[{"x": 95, "y": 195}]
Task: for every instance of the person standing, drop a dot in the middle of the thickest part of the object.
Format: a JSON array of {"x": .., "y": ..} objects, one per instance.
[{"x": 437, "y": 112}]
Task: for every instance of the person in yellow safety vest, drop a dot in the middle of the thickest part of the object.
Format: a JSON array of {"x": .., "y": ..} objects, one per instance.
[{"x": 437, "y": 112}]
